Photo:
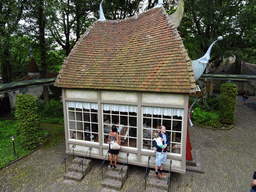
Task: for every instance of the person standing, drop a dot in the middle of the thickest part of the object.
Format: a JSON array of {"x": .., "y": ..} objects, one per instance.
[
  {"x": 161, "y": 156},
  {"x": 245, "y": 96},
  {"x": 253, "y": 184},
  {"x": 113, "y": 136}
]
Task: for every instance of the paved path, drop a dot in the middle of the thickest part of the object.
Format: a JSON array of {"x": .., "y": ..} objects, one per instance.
[{"x": 228, "y": 160}]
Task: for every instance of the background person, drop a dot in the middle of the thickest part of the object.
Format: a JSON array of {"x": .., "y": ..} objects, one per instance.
[
  {"x": 253, "y": 184},
  {"x": 161, "y": 157},
  {"x": 113, "y": 136}
]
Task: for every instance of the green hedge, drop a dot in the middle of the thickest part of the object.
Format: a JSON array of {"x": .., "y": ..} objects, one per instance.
[
  {"x": 228, "y": 92},
  {"x": 28, "y": 121}
]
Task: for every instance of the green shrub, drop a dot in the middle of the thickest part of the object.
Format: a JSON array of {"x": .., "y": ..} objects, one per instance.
[
  {"x": 228, "y": 92},
  {"x": 52, "y": 113},
  {"x": 200, "y": 116},
  {"x": 28, "y": 121},
  {"x": 213, "y": 102}
]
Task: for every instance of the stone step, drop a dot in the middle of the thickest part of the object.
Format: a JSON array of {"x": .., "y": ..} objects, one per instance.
[
  {"x": 155, "y": 190},
  {"x": 112, "y": 184},
  {"x": 108, "y": 190},
  {"x": 124, "y": 170},
  {"x": 73, "y": 176},
  {"x": 77, "y": 168},
  {"x": 116, "y": 176},
  {"x": 152, "y": 175},
  {"x": 78, "y": 160},
  {"x": 157, "y": 183},
  {"x": 67, "y": 181}
]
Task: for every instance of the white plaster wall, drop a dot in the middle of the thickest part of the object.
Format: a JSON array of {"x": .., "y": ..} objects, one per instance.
[
  {"x": 119, "y": 96},
  {"x": 161, "y": 98},
  {"x": 81, "y": 94}
]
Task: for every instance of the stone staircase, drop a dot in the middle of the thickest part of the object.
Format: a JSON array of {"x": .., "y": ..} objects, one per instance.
[
  {"x": 75, "y": 172},
  {"x": 113, "y": 181},
  {"x": 155, "y": 184}
]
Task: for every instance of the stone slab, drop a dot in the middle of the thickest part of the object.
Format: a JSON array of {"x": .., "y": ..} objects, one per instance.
[
  {"x": 73, "y": 176},
  {"x": 124, "y": 170},
  {"x": 157, "y": 183},
  {"x": 71, "y": 182},
  {"x": 108, "y": 190},
  {"x": 78, "y": 168},
  {"x": 112, "y": 184},
  {"x": 155, "y": 190},
  {"x": 116, "y": 176},
  {"x": 78, "y": 160}
]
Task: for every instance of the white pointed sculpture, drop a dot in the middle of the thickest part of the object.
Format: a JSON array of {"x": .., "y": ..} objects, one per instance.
[
  {"x": 102, "y": 16},
  {"x": 199, "y": 65},
  {"x": 160, "y": 2}
]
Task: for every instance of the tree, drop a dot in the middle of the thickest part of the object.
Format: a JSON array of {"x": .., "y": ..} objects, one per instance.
[
  {"x": 205, "y": 20},
  {"x": 10, "y": 14}
]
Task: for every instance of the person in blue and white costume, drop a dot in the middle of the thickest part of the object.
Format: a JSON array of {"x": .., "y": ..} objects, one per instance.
[{"x": 161, "y": 157}]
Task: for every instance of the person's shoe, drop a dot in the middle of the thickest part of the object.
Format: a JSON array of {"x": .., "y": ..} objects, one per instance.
[
  {"x": 159, "y": 176},
  {"x": 111, "y": 165}
]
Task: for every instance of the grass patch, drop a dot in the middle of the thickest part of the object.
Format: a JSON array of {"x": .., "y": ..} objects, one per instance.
[{"x": 10, "y": 127}]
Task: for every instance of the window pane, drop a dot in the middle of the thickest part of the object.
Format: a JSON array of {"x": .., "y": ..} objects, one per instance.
[
  {"x": 147, "y": 122},
  {"x": 177, "y": 125},
  {"x": 72, "y": 125},
  {"x": 177, "y": 117},
  {"x": 95, "y": 137},
  {"x": 132, "y": 142},
  {"x": 87, "y": 136},
  {"x": 79, "y": 125},
  {"x": 176, "y": 137},
  {"x": 107, "y": 128},
  {"x": 167, "y": 124},
  {"x": 71, "y": 115},
  {"x": 87, "y": 127},
  {"x": 115, "y": 119},
  {"x": 94, "y": 117},
  {"x": 124, "y": 120},
  {"x": 133, "y": 132},
  {"x": 106, "y": 118},
  {"x": 147, "y": 144},
  {"x": 132, "y": 114},
  {"x": 79, "y": 135},
  {"x": 95, "y": 128},
  {"x": 147, "y": 133},
  {"x": 175, "y": 148},
  {"x": 124, "y": 141},
  {"x": 133, "y": 121},
  {"x": 105, "y": 138},
  {"x": 86, "y": 116},
  {"x": 156, "y": 122},
  {"x": 72, "y": 134}
]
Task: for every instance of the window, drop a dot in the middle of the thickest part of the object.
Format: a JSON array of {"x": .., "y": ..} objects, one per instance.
[
  {"x": 125, "y": 118},
  {"x": 83, "y": 121},
  {"x": 153, "y": 117}
]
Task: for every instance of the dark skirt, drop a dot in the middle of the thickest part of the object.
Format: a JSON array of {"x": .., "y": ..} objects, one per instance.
[{"x": 114, "y": 152}]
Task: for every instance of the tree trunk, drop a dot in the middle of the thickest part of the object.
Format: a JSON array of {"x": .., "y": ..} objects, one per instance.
[{"x": 42, "y": 22}]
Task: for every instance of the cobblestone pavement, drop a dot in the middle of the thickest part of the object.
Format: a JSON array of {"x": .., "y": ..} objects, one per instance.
[{"x": 228, "y": 160}]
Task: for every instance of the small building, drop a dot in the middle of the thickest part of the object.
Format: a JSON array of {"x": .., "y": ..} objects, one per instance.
[{"x": 134, "y": 73}]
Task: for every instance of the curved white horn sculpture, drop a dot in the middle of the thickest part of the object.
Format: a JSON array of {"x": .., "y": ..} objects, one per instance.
[
  {"x": 102, "y": 16},
  {"x": 178, "y": 14},
  {"x": 199, "y": 65}
]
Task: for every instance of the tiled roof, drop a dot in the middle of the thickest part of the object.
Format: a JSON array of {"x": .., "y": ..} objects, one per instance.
[{"x": 143, "y": 53}]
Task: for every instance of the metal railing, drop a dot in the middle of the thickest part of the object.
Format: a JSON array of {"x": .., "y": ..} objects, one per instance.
[
  {"x": 82, "y": 161},
  {"x": 65, "y": 162},
  {"x": 120, "y": 172},
  {"x": 101, "y": 167},
  {"x": 145, "y": 174},
  {"x": 73, "y": 147},
  {"x": 169, "y": 178}
]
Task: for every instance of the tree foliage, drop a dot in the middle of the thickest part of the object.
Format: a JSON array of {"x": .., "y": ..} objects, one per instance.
[{"x": 205, "y": 20}]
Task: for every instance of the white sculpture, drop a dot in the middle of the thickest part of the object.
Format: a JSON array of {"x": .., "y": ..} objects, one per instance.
[{"x": 199, "y": 65}]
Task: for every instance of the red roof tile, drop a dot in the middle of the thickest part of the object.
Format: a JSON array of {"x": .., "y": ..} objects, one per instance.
[{"x": 143, "y": 53}]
